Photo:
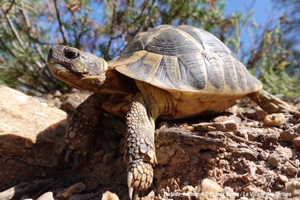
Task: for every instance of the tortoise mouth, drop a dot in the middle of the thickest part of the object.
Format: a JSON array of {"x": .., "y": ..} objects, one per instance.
[{"x": 58, "y": 62}]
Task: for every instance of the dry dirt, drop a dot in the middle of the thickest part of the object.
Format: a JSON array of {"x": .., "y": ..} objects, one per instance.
[{"x": 232, "y": 155}]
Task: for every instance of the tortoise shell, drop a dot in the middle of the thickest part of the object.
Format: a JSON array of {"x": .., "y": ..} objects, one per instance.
[{"x": 185, "y": 59}]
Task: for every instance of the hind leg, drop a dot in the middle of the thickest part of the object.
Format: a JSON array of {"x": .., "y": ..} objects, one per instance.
[{"x": 270, "y": 103}]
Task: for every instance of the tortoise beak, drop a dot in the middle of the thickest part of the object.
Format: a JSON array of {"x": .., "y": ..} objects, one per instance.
[
  {"x": 55, "y": 54},
  {"x": 57, "y": 60}
]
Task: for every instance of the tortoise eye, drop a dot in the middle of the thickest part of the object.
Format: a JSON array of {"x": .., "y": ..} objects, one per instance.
[{"x": 71, "y": 54}]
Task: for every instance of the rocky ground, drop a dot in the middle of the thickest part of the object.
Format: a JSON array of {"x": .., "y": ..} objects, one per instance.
[{"x": 239, "y": 154}]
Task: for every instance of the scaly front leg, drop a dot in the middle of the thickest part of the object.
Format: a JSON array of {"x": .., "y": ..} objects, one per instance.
[
  {"x": 81, "y": 129},
  {"x": 140, "y": 148}
]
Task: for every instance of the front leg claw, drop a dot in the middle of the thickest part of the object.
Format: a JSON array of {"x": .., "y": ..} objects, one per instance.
[
  {"x": 139, "y": 147},
  {"x": 139, "y": 177},
  {"x": 69, "y": 152},
  {"x": 77, "y": 144}
]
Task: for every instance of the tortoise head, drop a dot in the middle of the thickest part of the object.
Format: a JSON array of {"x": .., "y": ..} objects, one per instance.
[{"x": 78, "y": 69}]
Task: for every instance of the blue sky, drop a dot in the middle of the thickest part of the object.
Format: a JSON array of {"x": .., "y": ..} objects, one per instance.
[
  {"x": 262, "y": 8},
  {"x": 263, "y": 12}
]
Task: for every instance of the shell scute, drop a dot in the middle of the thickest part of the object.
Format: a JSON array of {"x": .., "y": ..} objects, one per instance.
[{"x": 185, "y": 59}]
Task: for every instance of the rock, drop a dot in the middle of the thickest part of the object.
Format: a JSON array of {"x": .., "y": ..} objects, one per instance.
[
  {"x": 285, "y": 151},
  {"x": 275, "y": 119},
  {"x": 229, "y": 193},
  {"x": 24, "y": 189},
  {"x": 107, "y": 157},
  {"x": 264, "y": 155},
  {"x": 225, "y": 118},
  {"x": 290, "y": 170},
  {"x": 151, "y": 195},
  {"x": 267, "y": 139},
  {"x": 189, "y": 128},
  {"x": 246, "y": 178},
  {"x": 254, "y": 192},
  {"x": 297, "y": 100},
  {"x": 261, "y": 114},
  {"x": 279, "y": 186},
  {"x": 250, "y": 132},
  {"x": 277, "y": 158},
  {"x": 164, "y": 154},
  {"x": 109, "y": 196},
  {"x": 293, "y": 188},
  {"x": 184, "y": 157},
  {"x": 282, "y": 178},
  {"x": 290, "y": 134},
  {"x": 188, "y": 189},
  {"x": 85, "y": 196},
  {"x": 210, "y": 188},
  {"x": 46, "y": 196},
  {"x": 296, "y": 143},
  {"x": 297, "y": 114},
  {"x": 225, "y": 126},
  {"x": 30, "y": 128},
  {"x": 74, "y": 189},
  {"x": 70, "y": 101}
]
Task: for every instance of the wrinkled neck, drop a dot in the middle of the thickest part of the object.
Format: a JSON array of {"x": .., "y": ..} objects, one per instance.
[{"x": 116, "y": 83}]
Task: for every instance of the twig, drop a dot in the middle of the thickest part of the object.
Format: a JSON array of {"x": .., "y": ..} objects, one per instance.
[
  {"x": 28, "y": 24},
  {"x": 61, "y": 26},
  {"x": 9, "y": 8},
  {"x": 112, "y": 25},
  {"x": 176, "y": 12},
  {"x": 11, "y": 25},
  {"x": 31, "y": 31},
  {"x": 7, "y": 49},
  {"x": 138, "y": 18}
]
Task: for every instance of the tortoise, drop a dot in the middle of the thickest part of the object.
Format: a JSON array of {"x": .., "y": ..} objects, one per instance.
[{"x": 167, "y": 72}]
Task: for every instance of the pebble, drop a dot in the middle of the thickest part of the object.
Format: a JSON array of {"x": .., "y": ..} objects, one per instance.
[
  {"x": 279, "y": 186},
  {"x": 296, "y": 115},
  {"x": 277, "y": 158},
  {"x": 209, "y": 186},
  {"x": 189, "y": 128},
  {"x": 46, "y": 196},
  {"x": 282, "y": 178},
  {"x": 229, "y": 193},
  {"x": 290, "y": 134},
  {"x": 251, "y": 189},
  {"x": 74, "y": 189},
  {"x": 287, "y": 152},
  {"x": 229, "y": 125},
  {"x": 261, "y": 114},
  {"x": 290, "y": 170},
  {"x": 246, "y": 178},
  {"x": 275, "y": 119},
  {"x": 293, "y": 187},
  {"x": 108, "y": 157},
  {"x": 114, "y": 144},
  {"x": 264, "y": 155},
  {"x": 164, "y": 154},
  {"x": 296, "y": 143},
  {"x": 151, "y": 195},
  {"x": 109, "y": 196},
  {"x": 188, "y": 189}
]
